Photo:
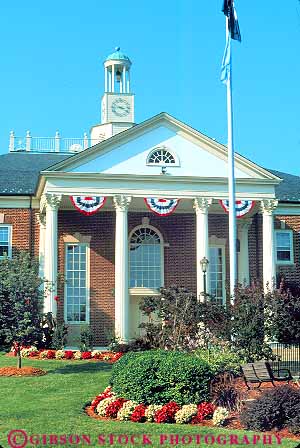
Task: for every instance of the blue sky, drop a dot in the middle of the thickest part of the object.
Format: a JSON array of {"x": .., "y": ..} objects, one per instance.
[{"x": 51, "y": 73}]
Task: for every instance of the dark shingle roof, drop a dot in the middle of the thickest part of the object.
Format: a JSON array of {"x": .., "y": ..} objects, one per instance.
[
  {"x": 19, "y": 172},
  {"x": 289, "y": 189}
]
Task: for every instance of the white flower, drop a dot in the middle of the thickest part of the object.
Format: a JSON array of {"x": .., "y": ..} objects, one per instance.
[
  {"x": 101, "y": 408},
  {"x": 77, "y": 355},
  {"x": 185, "y": 414},
  {"x": 220, "y": 415},
  {"x": 151, "y": 410},
  {"x": 59, "y": 354},
  {"x": 126, "y": 410},
  {"x": 95, "y": 352}
]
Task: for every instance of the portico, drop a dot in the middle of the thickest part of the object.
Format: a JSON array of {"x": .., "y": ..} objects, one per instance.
[{"x": 201, "y": 211}]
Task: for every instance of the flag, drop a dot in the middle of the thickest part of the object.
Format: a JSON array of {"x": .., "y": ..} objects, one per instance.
[
  {"x": 226, "y": 62},
  {"x": 233, "y": 24}
]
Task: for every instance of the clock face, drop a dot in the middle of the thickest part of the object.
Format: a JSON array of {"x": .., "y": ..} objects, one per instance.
[{"x": 120, "y": 107}]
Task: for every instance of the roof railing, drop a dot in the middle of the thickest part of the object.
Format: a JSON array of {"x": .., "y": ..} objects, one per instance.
[{"x": 49, "y": 144}]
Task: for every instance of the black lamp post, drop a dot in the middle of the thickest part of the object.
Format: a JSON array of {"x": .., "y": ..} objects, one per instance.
[{"x": 204, "y": 265}]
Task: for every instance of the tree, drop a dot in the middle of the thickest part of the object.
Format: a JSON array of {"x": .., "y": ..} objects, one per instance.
[
  {"x": 21, "y": 301},
  {"x": 172, "y": 318},
  {"x": 282, "y": 309}
]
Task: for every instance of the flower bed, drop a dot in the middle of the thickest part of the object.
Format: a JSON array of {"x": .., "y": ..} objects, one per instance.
[
  {"x": 108, "y": 405},
  {"x": 33, "y": 352}
]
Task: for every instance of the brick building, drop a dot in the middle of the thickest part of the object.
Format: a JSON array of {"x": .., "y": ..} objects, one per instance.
[{"x": 110, "y": 259}]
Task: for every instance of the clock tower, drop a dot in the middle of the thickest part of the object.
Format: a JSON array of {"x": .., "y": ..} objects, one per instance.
[{"x": 117, "y": 104}]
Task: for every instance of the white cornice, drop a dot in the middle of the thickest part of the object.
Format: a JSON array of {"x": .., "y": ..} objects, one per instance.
[{"x": 161, "y": 178}]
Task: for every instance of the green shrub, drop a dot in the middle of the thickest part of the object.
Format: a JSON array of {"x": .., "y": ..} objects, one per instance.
[
  {"x": 86, "y": 338},
  {"x": 221, "y": 359},
  {"x": 157, "y": 377},
  {"x": 275, "y": 408}
]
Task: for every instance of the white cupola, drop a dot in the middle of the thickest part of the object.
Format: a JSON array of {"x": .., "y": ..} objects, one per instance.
[{"x": 117, "y": 104}]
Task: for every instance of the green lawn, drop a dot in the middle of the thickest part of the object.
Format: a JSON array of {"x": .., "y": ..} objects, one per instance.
[{"x": 52, "y": 404}]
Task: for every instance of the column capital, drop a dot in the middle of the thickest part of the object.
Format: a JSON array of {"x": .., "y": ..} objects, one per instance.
[
  {"x": 268, "y": 206},
  {"x": 121, "y": 202},
  {"x": 51, "y": 201},
  {"x": 41, "y": 217},
  {"x": 201, "y": 205},
  {"x": 244, "y": 224}
]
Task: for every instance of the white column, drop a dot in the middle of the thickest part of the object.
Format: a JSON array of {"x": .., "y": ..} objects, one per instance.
[
  {"x": 128, "y": 81},
  {"x": 124, "y": 79},
  {"x": 243, "y": 256},
  {"x": 269, "y": 265},
  {"x": 113, "y": 78},
  {"x": 52, "y": 202},
  {"x": 201, "y": 206},
  {"x": 42, "y": 241},
  {"x": 121, "y": 268},
  {"x": 105, "y": 79}
]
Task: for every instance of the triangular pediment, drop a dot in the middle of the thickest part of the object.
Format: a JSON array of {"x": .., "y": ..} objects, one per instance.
[{"x": 127, "y": 153}]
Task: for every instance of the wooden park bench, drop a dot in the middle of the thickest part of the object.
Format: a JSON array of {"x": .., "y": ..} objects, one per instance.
[{"x": 261, "y": 372}]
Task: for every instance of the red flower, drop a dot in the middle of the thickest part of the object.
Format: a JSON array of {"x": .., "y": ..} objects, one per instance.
[
  {"x": 117, "y": 356},
  {"x": 56, "y": 298},
  {"x": 51, "y": 354},
  {"x": 106, "y": 394},
  {"x": 114, "y": 407},
  {"x": 68, "y": 354},
  {"x": 138, "y": 414},
  {"x": 27, "y": 301},
  {"x": 167, "y": 413},
  {"x": 205, "y": 410},
  {"x": 33, "y": 354},
  {"x": 86, "y": 355}
]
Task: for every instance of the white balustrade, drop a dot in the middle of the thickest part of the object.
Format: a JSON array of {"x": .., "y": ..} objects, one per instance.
[{"x": 49, "y": 144}]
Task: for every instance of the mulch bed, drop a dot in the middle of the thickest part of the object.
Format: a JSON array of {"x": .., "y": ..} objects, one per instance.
[
  {"x": 24, "y": 371},
  {"x": 233, "y": 423}
]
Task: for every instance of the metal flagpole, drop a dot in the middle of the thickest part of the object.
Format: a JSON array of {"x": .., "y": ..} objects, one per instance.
[
  {"x": 231, "y": 177},
  {"x": 232, "y": 33}
]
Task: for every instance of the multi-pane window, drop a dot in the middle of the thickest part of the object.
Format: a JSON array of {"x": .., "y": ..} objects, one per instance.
[
  {"x": 145, "y": 259},
  {"x": 76, "y": 291},
  {"x": 161, "y": 156},
  {"x": 284, "y": 246},
  {"x": 5, "y": 241},
  {"x": 217, "y": 274}
]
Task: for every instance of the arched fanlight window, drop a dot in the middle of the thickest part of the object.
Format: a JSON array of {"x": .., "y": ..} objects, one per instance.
[
  {"x": 162, "y": 156},
  {"x": 146, "y": 258}
]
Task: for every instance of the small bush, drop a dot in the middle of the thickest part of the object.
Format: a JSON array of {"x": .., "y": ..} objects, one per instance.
[
  {"x": 275, "y": 408},
  {"x": 159, "y": 377},
  {"x": 86, "y": 338},
  {"x": 221, "y": 359},
  {"x": 224, "y": 393}
]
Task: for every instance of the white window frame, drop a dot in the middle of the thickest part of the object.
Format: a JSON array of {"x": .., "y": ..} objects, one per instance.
[
  {"x": 162, "y": 148},
  {"x": 222, "y": 247},
  {"x": 285, "y": 262},
  {"x": 9, "y": 252},
  {"x": 87, "y": 321},
  {"x": 140, "y": 290}
]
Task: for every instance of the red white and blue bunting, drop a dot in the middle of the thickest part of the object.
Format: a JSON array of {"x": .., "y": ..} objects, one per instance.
[
  {"x": 88, "y": 205},
  {"x": 161, "y": 206},
  {"x": 242, "y": 207}
]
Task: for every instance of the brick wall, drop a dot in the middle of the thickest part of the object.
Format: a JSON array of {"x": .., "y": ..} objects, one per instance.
[
  {"x": 25, "y": 236},
  {"x": 179, "y": 232}
]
